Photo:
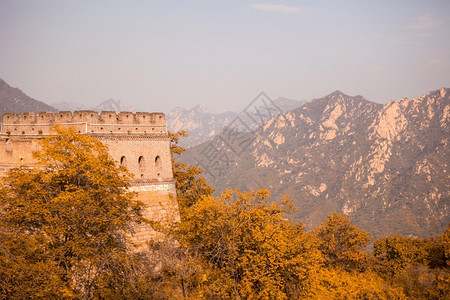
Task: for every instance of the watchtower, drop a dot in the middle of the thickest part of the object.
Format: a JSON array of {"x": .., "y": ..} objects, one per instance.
[{"x": 139, "y": 141}]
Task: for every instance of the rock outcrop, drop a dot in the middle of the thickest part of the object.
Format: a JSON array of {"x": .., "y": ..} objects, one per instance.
[{"x": 383, "y": 165}]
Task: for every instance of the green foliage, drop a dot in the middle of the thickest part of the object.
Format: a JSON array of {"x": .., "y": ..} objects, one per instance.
[{"x": 70, "y": 216}]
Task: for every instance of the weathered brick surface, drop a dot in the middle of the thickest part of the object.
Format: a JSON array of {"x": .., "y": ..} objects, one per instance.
[{"x": 138, "y": 141}]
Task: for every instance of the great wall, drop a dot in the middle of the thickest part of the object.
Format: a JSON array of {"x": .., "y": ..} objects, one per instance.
[{"x": 138, "y": 141}]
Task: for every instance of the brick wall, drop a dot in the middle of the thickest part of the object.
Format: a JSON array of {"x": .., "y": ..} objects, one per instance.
[
  {"x": 85, "y": 121},
  {"x": 139, "y": 141}
]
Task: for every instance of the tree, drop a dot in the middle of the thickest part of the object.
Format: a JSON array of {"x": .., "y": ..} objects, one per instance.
[
  {"x": 335, "y": 283},
  {"x": 341, "y": 242},
  {"x": 26, "y": 271},
  {"x": 189, "y": 183},
  {"x": 252, "y": 249},
  {"x": 417, "y": 265},
  {"x": 73, "y": 214},
  {"x": 446, "y": 244},
  {"x": 397, "y": 252}
]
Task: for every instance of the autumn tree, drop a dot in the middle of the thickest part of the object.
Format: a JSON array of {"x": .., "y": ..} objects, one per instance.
[
  {"x": 64, "y": 225},
  {"x": 341, "y": 242},
  {"x": 446, "y": 244},
  {"x": 418, "y": 265},
  {"x": 243, "y": 246},
  {"x": 251, "y": 247},
  {"x": 189, "y": 183},
  {"x": 336, "y": 283},
  {"x": 172, "y": 271},
  {"x": 396, "y": 252}
]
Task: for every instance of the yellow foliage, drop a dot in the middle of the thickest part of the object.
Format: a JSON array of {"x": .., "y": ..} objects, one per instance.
[
  {"x": 341, "y": 242},
  {"x": 417, "y": 265},
  {"x": 72, "y": 214},
  {"x": 189, "y": 183},
  {"x": 339, "y": 284},
  {"x": 446, "y": 243},
  {"x": 62, "y": 236},
  {"x": 257, "y": 251}
]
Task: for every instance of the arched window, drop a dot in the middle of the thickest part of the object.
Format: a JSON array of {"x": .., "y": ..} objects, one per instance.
[
  {"x": 123, "y": 161},
  {"x": 141, "y": 163},
  {"x": 158, "y": 166}
]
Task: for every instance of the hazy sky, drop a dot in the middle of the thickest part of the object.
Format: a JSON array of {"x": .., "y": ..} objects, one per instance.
[{"x": 156, "y": 55}]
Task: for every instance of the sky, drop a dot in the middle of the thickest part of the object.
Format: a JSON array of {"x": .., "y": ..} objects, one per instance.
[{"x": 158, "y": 55}]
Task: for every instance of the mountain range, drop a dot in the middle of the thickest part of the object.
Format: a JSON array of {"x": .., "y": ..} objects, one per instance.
[
  {"x": 202, "y": 125},
  {"x": 107, "y": 105},
  {"x": 14, "y": 100},
  {"x": 385, "y": 166}
]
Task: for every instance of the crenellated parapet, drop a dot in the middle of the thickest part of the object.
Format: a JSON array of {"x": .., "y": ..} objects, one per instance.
[
  {"x": 137, "y": 141},
  {"x": 90, "y": 116},
  {"x": 84, "y": 121}
]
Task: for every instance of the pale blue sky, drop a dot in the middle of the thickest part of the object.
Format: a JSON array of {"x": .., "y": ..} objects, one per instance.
[{"x": 156, "y": 55}]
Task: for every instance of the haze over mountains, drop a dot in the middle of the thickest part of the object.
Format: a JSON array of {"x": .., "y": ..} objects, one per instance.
[
  {"x": 202, "y": 125},
  {"x": 386, "y": 166},
  {"x": 14, "y": 100},
  {"x": 107, "y": 105},
  {"x": 199, "y": 123}
]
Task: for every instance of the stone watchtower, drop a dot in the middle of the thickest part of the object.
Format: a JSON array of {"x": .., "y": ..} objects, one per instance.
[{"x": 139, "y": 141}]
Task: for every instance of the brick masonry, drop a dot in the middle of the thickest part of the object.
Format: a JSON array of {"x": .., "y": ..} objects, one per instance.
[{"x": 138, "y": 141}]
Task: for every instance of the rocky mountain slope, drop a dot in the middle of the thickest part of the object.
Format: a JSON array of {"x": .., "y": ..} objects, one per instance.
[
  {"x": 14, "y": 100},
  {"x": 386, "y": 166},
  {"x": 202, "y": 125}
]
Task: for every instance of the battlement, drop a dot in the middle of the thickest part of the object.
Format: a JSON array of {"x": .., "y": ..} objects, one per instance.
[
  {"x": 90, "y": 116},
  {"x": 85, "y": 121},
  {"x": 139, "y": 142}
]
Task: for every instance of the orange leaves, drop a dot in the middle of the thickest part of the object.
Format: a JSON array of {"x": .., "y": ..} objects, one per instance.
[
  {"x": 189, "y": 183},
  {"x": 342, "y": 243},
  {"x": 78, "y": 206},
  {"x": 248, "y": 238}
]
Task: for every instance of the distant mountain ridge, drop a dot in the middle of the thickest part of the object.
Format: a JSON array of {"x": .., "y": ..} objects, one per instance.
[
  {"x": 107, "y": 105},
  {"x": 14, "y": 100},
  {"x": 202, "y": 125},
  {"x": 386, "y": 166}
]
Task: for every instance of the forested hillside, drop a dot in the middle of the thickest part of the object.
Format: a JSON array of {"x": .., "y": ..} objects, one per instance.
[{"x": 385, "y": 166}]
